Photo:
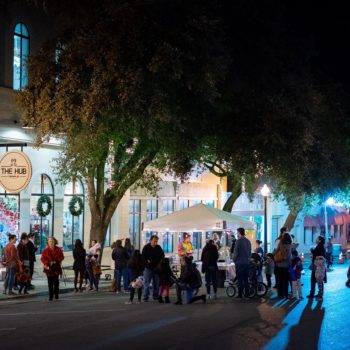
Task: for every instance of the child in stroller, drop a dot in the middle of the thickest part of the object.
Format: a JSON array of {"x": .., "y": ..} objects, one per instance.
[{"x": 255, "y": 268}]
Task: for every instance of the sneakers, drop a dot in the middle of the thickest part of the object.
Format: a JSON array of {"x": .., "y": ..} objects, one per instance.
[
  {"x": 138, "y": 302},
  {"x": 208, "y": 296},
  {"x": 129, "y": 302},
  {"x": 215, "y": 296},
  {"x": 179, "y": 302},
  {"x": 11, "y": 292}
]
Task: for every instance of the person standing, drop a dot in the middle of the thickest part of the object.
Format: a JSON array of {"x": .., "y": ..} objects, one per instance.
[
  {"x": 136, "y": 266},
  {"x": 79, "y": 255},
  {"x": 282, "y": 257},
  {"x": 233, "y": 243},
  {"x": 210, "y": 256},
  {"x": 269, "y": 269},
  {"x": 130, "y": 251},
  {"x": 283, "y": 230},
  {"x": 166, "y": 279},
  {"x": 23, "y": 252},
  {"x": 51, "y": 258},
  {"x": 32, "y": 248},
  {"x": 318, "y": 251},
  {"x": 120, "y": 257},
  {"x": 13, "y": 264},
  {"x": 241, "y": 256},
  {"x": 152, "y": 254}
]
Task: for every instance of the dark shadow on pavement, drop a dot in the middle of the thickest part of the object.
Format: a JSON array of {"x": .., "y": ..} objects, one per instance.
[{"x": 306, "y": 334}]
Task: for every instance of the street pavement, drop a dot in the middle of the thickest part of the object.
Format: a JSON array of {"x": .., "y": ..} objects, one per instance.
[{"x": 102, "y": 320}]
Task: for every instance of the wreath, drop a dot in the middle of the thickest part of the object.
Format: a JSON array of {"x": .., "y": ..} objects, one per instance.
[
  {"x": 44, "y": 198},
  {"x": 73, "y": 203}
]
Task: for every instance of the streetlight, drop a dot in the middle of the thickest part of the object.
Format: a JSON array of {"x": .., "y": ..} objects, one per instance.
[
  {"x": 265, "y": 191},
  {"x": 329, "y": 201}
]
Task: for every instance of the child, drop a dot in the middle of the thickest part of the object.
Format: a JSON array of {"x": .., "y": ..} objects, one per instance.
[
  {"x": 295, "y": 275},
  {"x": 320, "y": 273},
  {"x": 136, "y": 266},
  {"x": 269, "y": 268},
  {"x": 166, "y": 279},
  {"x": 23, "y": 280}
]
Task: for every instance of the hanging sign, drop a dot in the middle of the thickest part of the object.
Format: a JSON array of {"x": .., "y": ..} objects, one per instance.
[{"x": 15, "y": 171}]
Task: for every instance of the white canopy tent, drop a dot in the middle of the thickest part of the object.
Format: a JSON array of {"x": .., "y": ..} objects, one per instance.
[{"x": 200, "y": 217}]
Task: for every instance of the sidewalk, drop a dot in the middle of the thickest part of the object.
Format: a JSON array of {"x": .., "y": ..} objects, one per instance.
[{"x": 41, "y": 288}]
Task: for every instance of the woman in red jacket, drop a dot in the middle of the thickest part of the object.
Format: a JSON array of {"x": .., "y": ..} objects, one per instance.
[{"x": 51, "y": 258}]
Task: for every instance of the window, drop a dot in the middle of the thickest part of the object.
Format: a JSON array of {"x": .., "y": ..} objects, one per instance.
[
  {"x": 335, "y": 232},
  {"x": 73, "y": 226},
  {"x": 184, "y": 203},
  {"x": 134, "y": 221},
  {"x": 209, "y": 203},
  {"x": 41, "y": 226},
  {"x": 9, "y": 215},
  {"x": 315, "y": 234},
  {"x": 20, "y": 56},
  {"x": 167, "y": 243},
  {"x": 152, "y": 209},
  {"x": 341, "y": 230},
  {"x": 168, "y": 206}
]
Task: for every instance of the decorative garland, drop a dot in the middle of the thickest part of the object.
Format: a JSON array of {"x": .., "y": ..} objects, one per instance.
[
  {"x": 76, "y": 200},
  {"x": 44, "y": 198}
]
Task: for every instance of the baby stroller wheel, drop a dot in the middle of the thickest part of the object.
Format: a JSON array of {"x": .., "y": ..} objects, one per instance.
[
  {"x": 251, "y": 290},
  {"x": 231, "y": 291},
  {"x": 261, "y": 289}
]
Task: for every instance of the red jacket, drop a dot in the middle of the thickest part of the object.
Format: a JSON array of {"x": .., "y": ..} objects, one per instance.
[
  {"x": 51, "y": 259},
  {"x": 11, "y": 256}
]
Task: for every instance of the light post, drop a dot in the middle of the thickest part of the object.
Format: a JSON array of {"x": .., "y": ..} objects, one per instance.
[
  {"x": 265, "y": 191},
  {"x": 329, "y": 201}
]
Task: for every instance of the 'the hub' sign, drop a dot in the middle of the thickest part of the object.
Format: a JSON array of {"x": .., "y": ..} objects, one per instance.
[{"x": 15, "y": 171}]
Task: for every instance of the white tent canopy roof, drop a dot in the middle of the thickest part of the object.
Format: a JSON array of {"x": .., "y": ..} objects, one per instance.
[{"x": 200, "y": 217}]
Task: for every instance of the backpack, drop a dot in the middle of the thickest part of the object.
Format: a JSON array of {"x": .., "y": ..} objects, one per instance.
[
  {"x": 280, "y": 255},
  {"x": 196, "y": 279}
]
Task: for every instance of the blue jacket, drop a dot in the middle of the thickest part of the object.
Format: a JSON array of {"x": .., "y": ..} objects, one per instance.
[{"x": 242, "y": 252}]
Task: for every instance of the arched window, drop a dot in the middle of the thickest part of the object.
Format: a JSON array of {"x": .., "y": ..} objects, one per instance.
[
  {"x": 73, "y": 226},
  {"x": 9, "y": 215},
  {"x": 20, "y": 56},
  {"x": 41, "y": 226}
]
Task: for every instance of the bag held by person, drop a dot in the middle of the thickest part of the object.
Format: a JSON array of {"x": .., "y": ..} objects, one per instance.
[{"x": 280, "y": 255}]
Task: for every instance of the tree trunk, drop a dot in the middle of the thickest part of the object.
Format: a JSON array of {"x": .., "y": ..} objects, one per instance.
[
  {"x": 289, "y": 223},
  {"x": 236, "y": 192}
]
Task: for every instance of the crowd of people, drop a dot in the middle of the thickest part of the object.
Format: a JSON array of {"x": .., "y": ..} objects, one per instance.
[{"x": 136, "y": 271}]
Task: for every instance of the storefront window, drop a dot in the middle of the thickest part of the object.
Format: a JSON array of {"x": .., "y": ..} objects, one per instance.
[
  {"x": 184, "y": 203},
  {"x": 41, "y": 226},
  {"x": 9, "y": 215},
  {"x": 73, "y": 226}
]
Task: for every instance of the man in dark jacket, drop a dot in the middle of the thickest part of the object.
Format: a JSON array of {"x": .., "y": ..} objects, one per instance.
[
  {"x": 152, "y": 254},
  {"x": 210, "y": 256},
  {"x": 241, "y": 256},
  {"x": 120, "y": 256},
  {"x": 31, "y": 249},
  {"x": 319, "y": 250}
]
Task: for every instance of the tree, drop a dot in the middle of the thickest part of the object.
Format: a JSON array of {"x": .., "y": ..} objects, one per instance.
[{"x": 131, "y": 80}]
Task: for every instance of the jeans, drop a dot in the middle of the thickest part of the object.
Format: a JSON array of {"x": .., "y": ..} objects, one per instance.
[
  {"x": 149, "y": 276},
  {"x": 211, "y": 278},
  {"x": 10, "y": 278},
  {"x": 93, "y": 280},
  {"x": 118, "y": 274},
  {"x": 54, "y": 284},
  {"x": 242, "y": 276},
  {"x": 189, "y": 291}
]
